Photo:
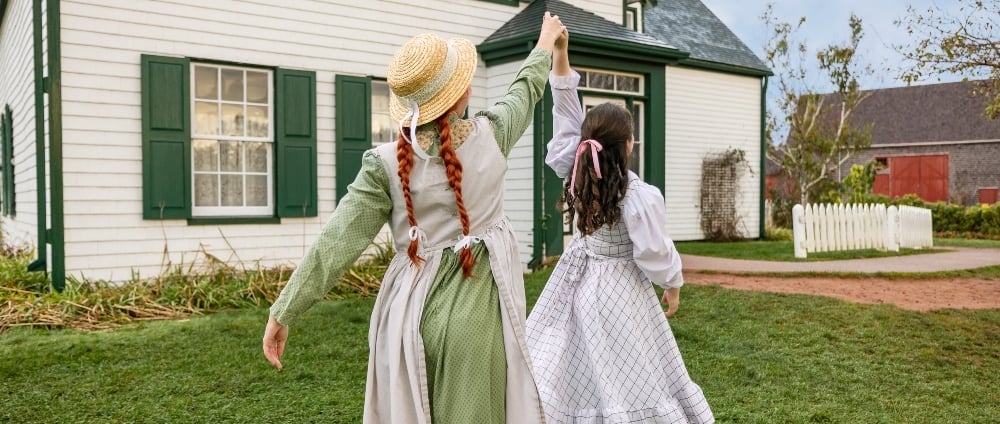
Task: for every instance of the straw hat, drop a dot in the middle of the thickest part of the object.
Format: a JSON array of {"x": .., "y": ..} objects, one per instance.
[{"x": 431, "y": 72}]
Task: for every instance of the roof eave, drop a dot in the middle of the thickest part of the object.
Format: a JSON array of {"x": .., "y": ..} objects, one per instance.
[
  {"x": 516, "y": 48},
  {"x": 725, "y": 67}
]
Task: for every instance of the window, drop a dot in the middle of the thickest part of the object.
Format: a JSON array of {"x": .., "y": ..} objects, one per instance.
[
  {"x": 384, "y": 130},
  {"x": 232, "y": 141},
  {"x": 601, "y": 86},
  {"x": 633, "y": 15},
  {"x": 7, "y": 161},
  {"x": 222, "y": 141}
]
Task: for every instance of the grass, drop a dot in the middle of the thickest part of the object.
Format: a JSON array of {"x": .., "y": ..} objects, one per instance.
[
  {"x": 759, "y": 357},
  {"x": 780, "y": 251},
  {"x": 960, "y": 242}
]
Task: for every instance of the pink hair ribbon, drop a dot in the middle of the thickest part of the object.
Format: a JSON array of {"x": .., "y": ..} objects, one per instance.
[{"x": 595, "y": 147}]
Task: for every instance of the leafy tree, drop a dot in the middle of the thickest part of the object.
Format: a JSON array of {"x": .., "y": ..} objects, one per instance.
[
  {"x": 964, "y": 42},
  {"x": 810, "y": 133}
]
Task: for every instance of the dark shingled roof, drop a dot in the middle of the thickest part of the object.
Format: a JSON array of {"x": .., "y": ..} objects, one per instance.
[
  {"x": 692, "y": 27},
  {"x": 927, "y": 114},
  {"x": 577, "y": 20}
]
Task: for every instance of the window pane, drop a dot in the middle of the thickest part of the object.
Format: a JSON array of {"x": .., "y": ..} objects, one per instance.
[
  {"x": 583, "y": 78},
  {"x": 256, "y": 190},
  {"x": 256, "y": 87},
  {"x": 380, "y": 97},
  {"x": 257, "y": 121},
  {"x": 257, "y": 157},
  {"x": 637, "y": 121},
  {"x": 602, "y": 81},
  {"x": 206, "y": 117},
  {"x": 206, "y": 155},
  {"x": 230, "y": 158},
  {"x": 232, "y": 190},
  {"x": 206, "y": 82},
  {"x": 381, "y": 129},
  {"x": 635, "y": 161},
  {"x": 232, "y": 85},
  {"x": 206, "y": 190},
  {"x": 232, "y": 120},
  {"x": 626, "y": 83}
]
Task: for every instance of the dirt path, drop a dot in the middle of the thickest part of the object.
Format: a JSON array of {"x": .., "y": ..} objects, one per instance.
[{"x": 917, "y": 295}]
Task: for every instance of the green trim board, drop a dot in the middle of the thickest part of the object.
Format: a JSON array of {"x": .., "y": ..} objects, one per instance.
[
  {"x": 56, "y": 234},
  {"x": 762, "y": 213},
  {"x": 539, "y": 221},
  {"x": 41, "y": 195},
  {"x": 506, "y": 2}
]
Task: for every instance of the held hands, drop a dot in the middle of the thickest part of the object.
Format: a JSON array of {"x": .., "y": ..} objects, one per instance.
[
  {"x": 672, "y": 297},
  {"x": 275, "y": 336},
  {"x": 552, "y": 30}
]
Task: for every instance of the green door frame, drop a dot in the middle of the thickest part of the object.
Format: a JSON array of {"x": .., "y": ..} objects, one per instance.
[{"x": 548, "y": 232}]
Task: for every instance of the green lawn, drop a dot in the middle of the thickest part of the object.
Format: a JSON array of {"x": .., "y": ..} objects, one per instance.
[
  {"x": 760, "y": 358},
  {"x": 780, "y": 251}
]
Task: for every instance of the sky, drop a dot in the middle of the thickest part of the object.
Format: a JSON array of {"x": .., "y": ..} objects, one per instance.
[{"x": 826, "y": 23}]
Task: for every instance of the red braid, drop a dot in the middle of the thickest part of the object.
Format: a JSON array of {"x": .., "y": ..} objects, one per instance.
[
  {"x": 404, "y": 155},
  {"x": 454, "y": 171}
]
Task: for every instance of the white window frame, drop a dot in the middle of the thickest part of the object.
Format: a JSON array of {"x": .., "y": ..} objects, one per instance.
[{"x": 233, "y": 211}]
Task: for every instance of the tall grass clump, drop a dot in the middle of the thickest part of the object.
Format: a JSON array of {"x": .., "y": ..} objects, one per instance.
[{"x": 206, "y": 284}]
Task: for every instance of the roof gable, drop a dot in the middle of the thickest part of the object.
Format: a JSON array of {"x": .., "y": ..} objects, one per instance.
[
  {"x": 585, "y": 28},
  {"x": 692, "y": 27}
]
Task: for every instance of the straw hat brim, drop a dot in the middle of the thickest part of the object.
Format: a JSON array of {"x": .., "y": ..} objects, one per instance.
[{"x": 449, "y": 94}]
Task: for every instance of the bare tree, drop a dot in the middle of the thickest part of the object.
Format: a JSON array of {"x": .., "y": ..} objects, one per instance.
[
  {"x": 964, "y": 42},
  {"x": 810, "y": 133}
]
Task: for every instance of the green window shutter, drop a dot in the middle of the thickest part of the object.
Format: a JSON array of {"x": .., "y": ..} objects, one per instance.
[
  {"x": 8, "y": 163},
  {"x": 3, "y": 162},
  {"x": 295, "y": 143},
  {"x": 166, "y": 137},
  {"x": 354, "y": 123}
]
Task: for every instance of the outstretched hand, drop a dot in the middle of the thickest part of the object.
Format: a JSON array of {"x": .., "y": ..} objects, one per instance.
[
  {"x": 275, "y": 336},
  {"x": 671, "y": 297}
]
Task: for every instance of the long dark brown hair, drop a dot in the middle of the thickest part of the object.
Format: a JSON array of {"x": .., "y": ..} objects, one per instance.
[
  {"x": 596, "y": 202},
  {"x": 453, "y": 168}
]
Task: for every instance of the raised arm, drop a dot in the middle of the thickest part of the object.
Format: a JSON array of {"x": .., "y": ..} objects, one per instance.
[
  {"x": 567, "y": 114},
  {"x": 511, "y": 115}
]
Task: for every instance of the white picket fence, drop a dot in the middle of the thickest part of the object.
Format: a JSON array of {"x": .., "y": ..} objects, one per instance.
[{"x": 835, "y": 227}]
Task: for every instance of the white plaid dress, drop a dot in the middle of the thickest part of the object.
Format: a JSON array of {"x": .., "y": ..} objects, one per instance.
[{"x": 601, "y": 348}]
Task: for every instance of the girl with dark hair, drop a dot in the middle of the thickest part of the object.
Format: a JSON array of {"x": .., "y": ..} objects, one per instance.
[
  {"x": 600, "y": 344},
  {"x": 446, "y": 343}
]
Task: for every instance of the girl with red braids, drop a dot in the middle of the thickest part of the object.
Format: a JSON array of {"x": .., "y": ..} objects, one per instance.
[
  {"x": 600, "y": 344},
  {"x": 447, "y": 332}
]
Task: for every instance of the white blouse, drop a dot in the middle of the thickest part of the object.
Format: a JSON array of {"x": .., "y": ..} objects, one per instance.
[{"x": 643, "y": 209}]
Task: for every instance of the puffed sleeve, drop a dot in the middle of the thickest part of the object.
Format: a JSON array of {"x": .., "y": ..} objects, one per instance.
[
  {"x": 567, "y": 116},
  {"x": 645, "y": 217},
  {"x": 353, "y": 226}
]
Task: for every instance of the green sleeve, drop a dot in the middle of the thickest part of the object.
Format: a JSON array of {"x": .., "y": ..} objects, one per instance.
[
  {"x": 512, "y": 114},
  {"x": 353, "y": 226}
]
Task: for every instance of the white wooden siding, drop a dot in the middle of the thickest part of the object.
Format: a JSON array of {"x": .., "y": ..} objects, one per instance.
[
  {"x": 519, "y": 196},
  {"x": 102, "y": 43},
  {"x": 17, "y": 89},
  {"x": 709, "y": 112},
  {"x": 610, "y": 10}
]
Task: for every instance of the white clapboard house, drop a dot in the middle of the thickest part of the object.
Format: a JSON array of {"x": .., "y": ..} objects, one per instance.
[{"x": 138, "y": 133}]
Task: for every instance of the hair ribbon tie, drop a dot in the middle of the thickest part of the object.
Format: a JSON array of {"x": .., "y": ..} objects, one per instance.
[{"x": 595, "y": 147}]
